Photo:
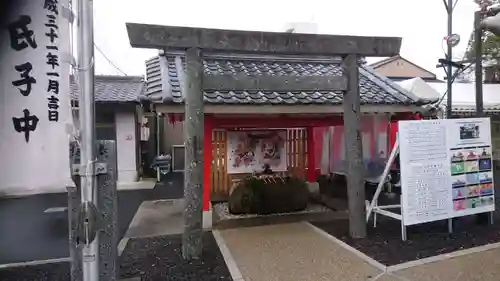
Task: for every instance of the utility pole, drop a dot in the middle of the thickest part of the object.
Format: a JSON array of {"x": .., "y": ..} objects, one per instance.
[
  {"x": 478, "y": 61},
  {"x": 449, "y": 56},
  {"x": 487, "y": 18},
  {"x": 88, "y": 212}
]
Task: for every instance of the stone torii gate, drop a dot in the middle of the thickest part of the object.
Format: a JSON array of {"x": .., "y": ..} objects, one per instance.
[{"x": 195, "y": 41}]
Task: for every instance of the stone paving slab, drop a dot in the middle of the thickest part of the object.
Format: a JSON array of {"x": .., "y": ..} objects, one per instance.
[
  {"x": 156, "y": 218},
  {"x": 482, "y": 266},
  {"x": 389, "y": 277},
  {"x": 289, "y": 252}
]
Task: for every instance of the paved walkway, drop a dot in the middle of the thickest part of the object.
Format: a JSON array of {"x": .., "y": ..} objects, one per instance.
[
  {"x": 289, "y": 252},
  {"x": 297, "y": 252},
  {"x": 483, "y": 266},
  {"x": 35, "y": 228}
]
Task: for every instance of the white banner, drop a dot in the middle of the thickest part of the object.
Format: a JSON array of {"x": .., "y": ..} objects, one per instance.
[
  {"x": 446, "y": 169},
  {"x": 35, "y": 108}
]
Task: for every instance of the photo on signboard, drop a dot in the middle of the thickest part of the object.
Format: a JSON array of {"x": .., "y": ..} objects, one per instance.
[
  {"x": 469, "y": 131},
  {"x": 471, "y": 166},
  {"x": 487, "y": 201},
  {"x": 458, "y": 181},
  {"x": 484, "y": 152},
  {"x": 473, "y": 202},
  {"x": 486, "y": 189},
  {"x": 459, "y": 205},
  {"x": 457, "y": 168},
  {"x": 470, "y": 154},
  {"x": 459, "y": 193},
  {"x": 472, "y": 178},
  {"x": 457, "y": 156},
  {"x": 484, "y": 164},
  {"x": 485, "y": 177},
  {"x": 473, "y": 190}
]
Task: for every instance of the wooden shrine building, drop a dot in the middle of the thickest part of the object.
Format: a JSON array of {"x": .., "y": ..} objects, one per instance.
[{"x": 263, "y": 80}]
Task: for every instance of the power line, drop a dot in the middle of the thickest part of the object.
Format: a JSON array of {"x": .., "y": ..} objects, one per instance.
[{"x": 110, "y": 62}]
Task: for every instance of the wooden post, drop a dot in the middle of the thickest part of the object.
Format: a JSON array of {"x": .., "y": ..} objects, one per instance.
[
  {"x": 354, "y": 150},
  {"x": 193, "y": 171},
  {"x": 311, "y": 157}
]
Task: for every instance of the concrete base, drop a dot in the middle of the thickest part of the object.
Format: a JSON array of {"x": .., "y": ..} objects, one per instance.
[
  {"x": 207, "y": 220},
  {"x": 139, "y": 185},
  {"x": 313, "y": 187},
  {"x": 127, "y": 175}
]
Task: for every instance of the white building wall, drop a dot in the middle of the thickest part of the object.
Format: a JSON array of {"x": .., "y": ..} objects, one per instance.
[{"x": 126, "y": 146}]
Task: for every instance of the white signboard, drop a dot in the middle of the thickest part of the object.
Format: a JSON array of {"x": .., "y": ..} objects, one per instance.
[
  {"x": 249, "y": 151},
  {"x": 34, "y": 86},
  {"x": 446, "y": 169}
]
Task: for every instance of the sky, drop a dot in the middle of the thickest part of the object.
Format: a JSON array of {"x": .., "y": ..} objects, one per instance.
[{"x": 421, "y": 23}]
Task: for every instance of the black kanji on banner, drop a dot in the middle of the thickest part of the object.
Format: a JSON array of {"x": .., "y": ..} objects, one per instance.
[
  {"x": 53, "y": 87},
  {"x": 54, "y": 74},
  {"x": 53, "y": 102},
  {"x": 51, "y": 6},
  {"x": 53, "y": 115},
  {"x": 52, "y": 60},
  {"x": 52, "y": 34},
  {"x": 26, "y": 79},
  {"x": 25, "y": 124},
  {"x": 20, "y": 35}
]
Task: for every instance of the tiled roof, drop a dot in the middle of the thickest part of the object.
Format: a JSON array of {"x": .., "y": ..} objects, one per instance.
[
  {"x": 164, "y": 80},
  {"x": 114, "y": 89}
]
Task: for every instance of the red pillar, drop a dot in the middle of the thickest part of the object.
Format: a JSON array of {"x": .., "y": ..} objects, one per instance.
[
  {"x": 311, "y": 156},
  {"x": 207, "y": 161},
  {"x": 370, "y": 129}
]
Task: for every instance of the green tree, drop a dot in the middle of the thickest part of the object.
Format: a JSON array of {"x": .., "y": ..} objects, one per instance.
[{"x": 490, "y": 50}]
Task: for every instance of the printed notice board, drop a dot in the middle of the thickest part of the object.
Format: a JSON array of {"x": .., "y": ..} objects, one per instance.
[{"x": 446, "y": 169}]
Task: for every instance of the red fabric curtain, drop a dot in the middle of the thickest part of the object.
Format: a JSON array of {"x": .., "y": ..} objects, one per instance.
[{"x": 393, "y": 129}]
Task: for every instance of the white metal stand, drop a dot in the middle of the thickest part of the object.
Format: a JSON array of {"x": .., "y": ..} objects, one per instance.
[
  {"x": 373, "y": 207},
  {"x": 158, "y": 120}
]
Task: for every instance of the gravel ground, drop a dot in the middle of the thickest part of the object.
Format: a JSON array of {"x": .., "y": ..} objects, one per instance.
[
  {"x": 222, "y": 211},
  {"x": 159, "y": 258},
  {"x": 151, "y": 259},
  {"x": 45, "y": 272},
  {"x": 384, "y": 243}
]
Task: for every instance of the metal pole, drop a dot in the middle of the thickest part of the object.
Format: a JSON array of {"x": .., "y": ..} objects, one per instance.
[
  {"x": 158, "y": 173},
  {"x": 478, "y": 48},
  {"x": 449, "y": 55},
  {"x": 85, "y": 42},
  {"x": 478, "y": 32}
]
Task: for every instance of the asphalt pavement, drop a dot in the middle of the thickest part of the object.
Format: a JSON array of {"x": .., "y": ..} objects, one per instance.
[{"x": 30, "y": 230}]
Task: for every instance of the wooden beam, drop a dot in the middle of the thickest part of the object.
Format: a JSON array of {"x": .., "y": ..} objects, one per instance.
[
  {"x": 276, "y": 122},
  {"x": 260, "y": 109},
  {"x": 274, "y": 83},
  {"x": 182, "y": 38}
]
